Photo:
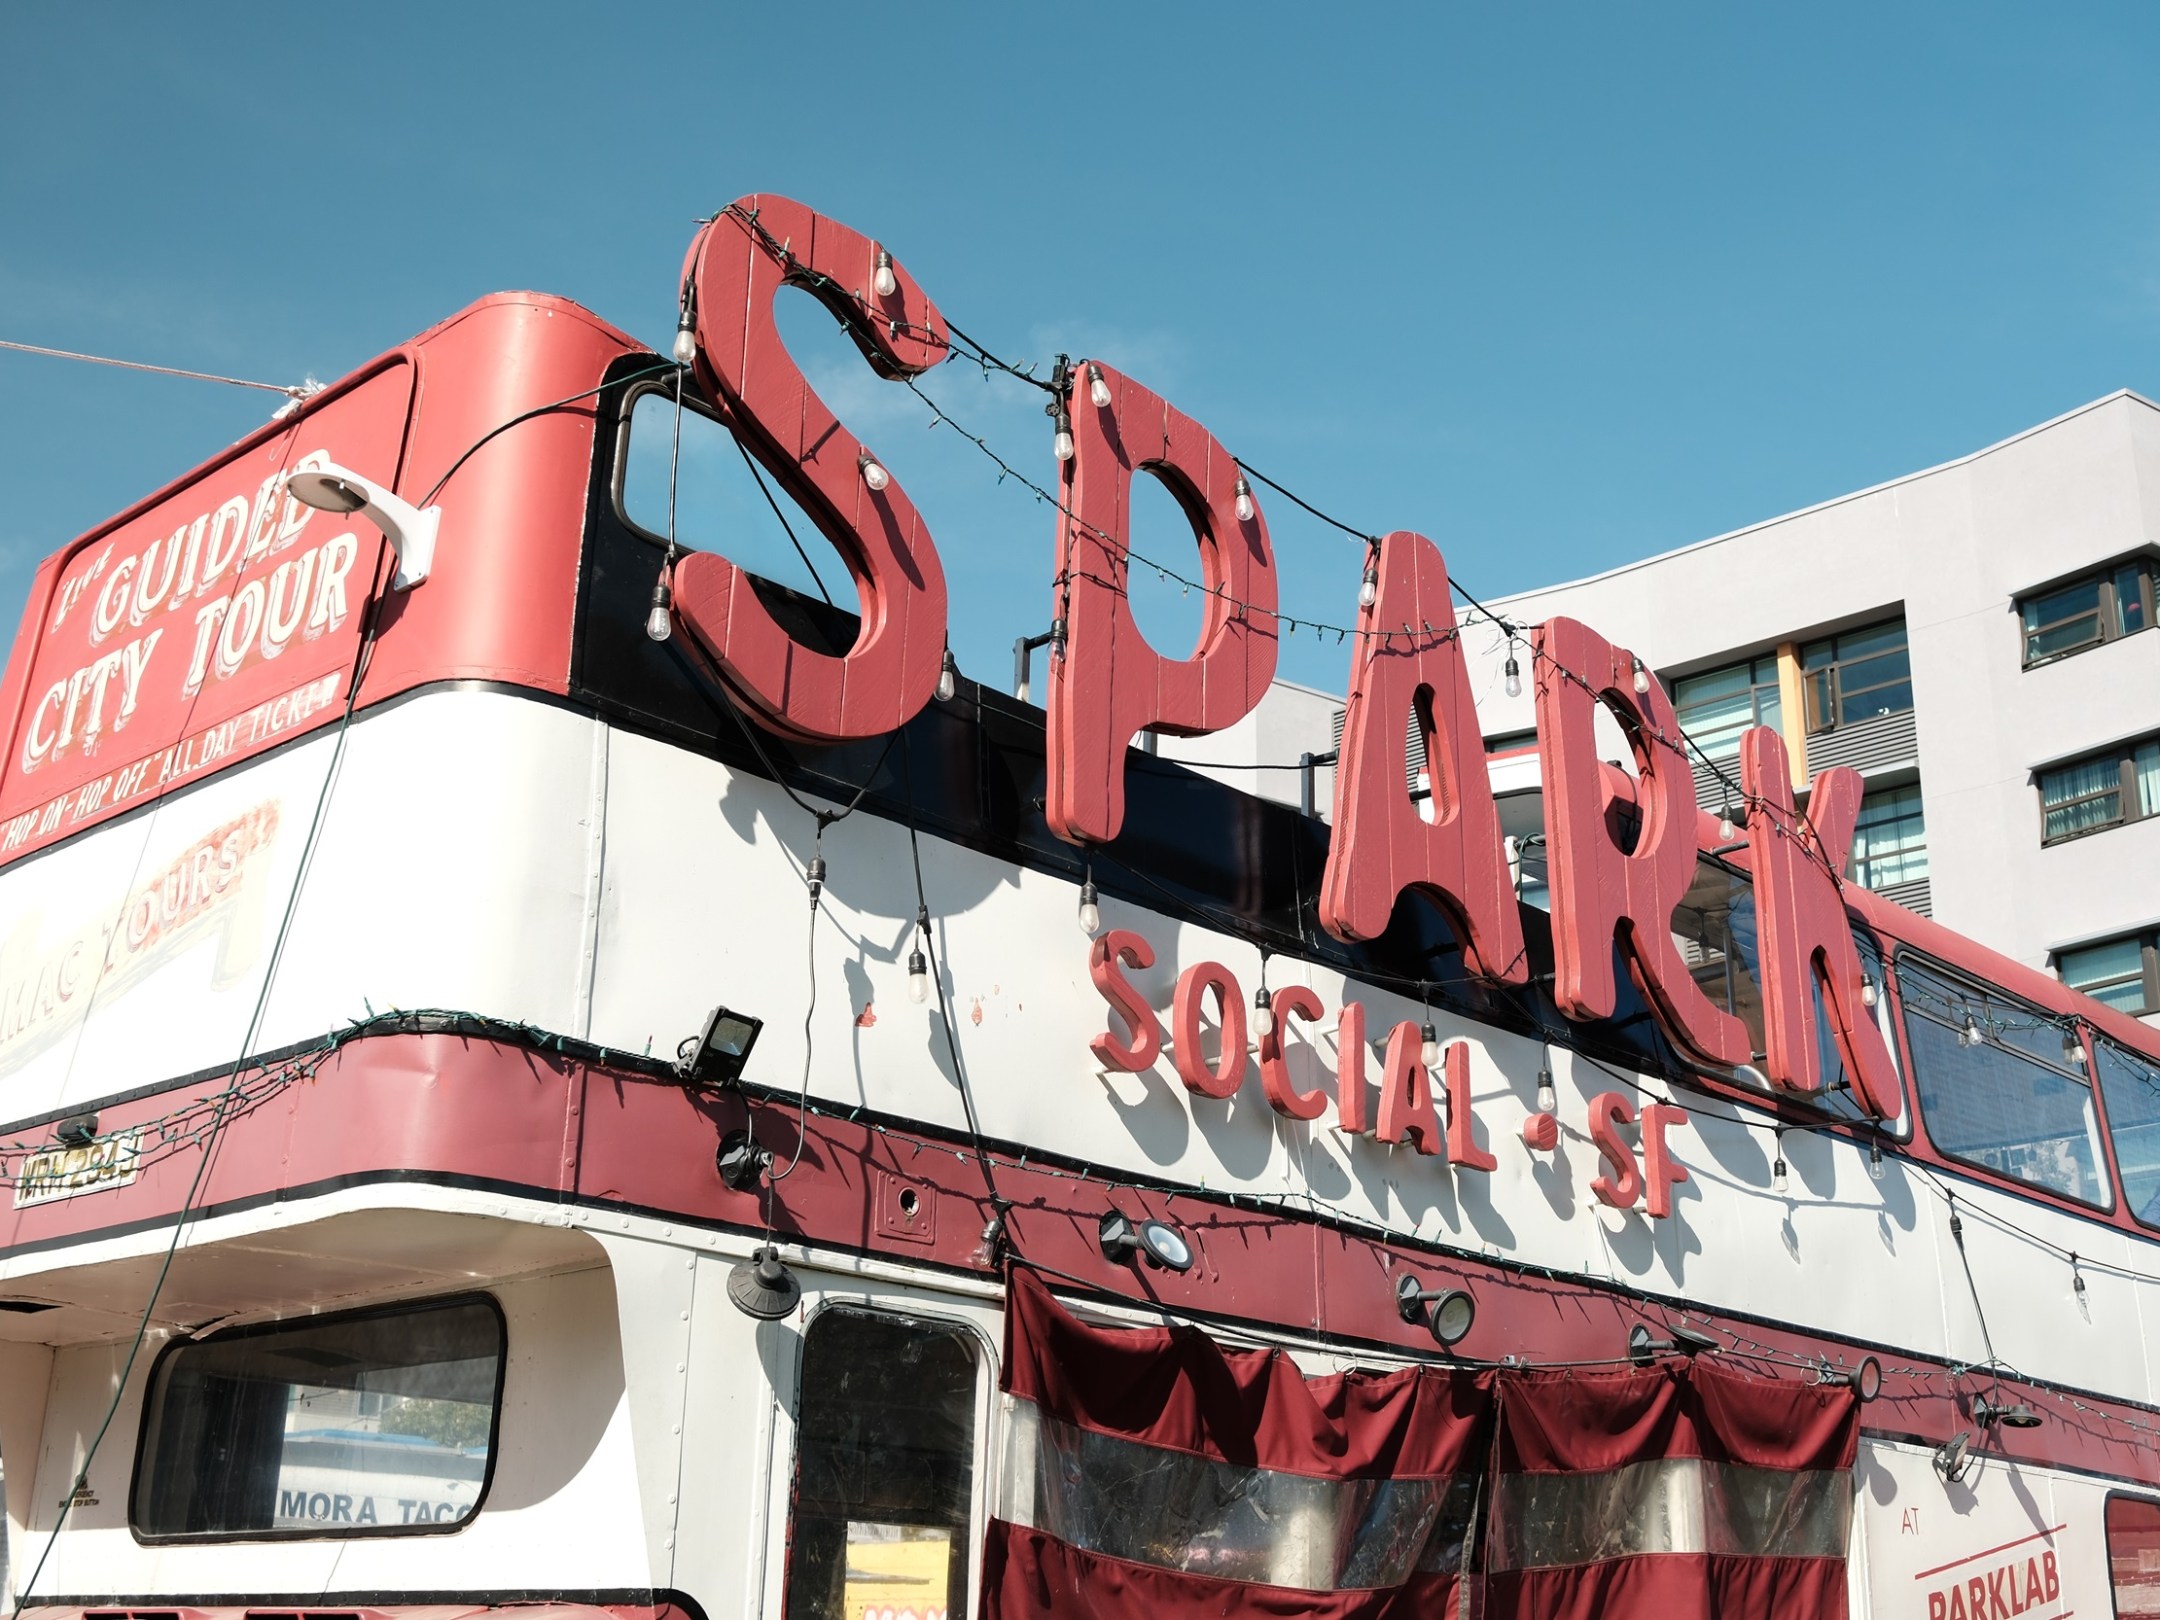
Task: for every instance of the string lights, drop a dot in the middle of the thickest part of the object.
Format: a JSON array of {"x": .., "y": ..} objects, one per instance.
[
  {"x": 882, "y": 280},
  {"x": 948, "y": 680},
  {"x": 873, "y": 475}
]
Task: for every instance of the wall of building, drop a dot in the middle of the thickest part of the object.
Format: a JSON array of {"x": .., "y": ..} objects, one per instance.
[{"x": 1951, "y": 548}]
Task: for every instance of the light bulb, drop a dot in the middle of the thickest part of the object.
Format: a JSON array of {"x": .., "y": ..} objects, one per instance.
[
  {"x": 918, "y": 978},
  {"x": 1875, "y": 1161},
  {"x": 1513, "y": 672},
  {"x": 1973, "y": 1037},
  {"x": 872, "y": 474},
  {"x": 1429, "y": 1046},
  {"x": 685, "y": 349},
  {"x": 1547, "y": 1098},
  {"x": 658, "y": 625},
  {"x": 883, "y": 283},
  {"x": 1777, "y": 1173},
  {"x": 2077, "y": 1278},
  {"x": 2073, "y": 1050},
  {"x": 1090, "y": 911},
  {"x": 1263, "y": 1013},
  {"x": 948, "y": 678},
  {"x": 1245, "y": 507},
  {"x": 1726, "y": 831},
  {"x": 1642, "y": 678},
  {"x": 1869, "y": 995},
  {"x": 1369, "y": 592},
  {"x": 1098, "y": 388},
  {"x": 1062, "y": 445}
]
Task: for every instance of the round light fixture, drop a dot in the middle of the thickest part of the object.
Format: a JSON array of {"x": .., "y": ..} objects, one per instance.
[
  {"x": 1160, "y": 1244},
  {"x": 326, "y": 492},
  {"x": 763, "y": 1287}
]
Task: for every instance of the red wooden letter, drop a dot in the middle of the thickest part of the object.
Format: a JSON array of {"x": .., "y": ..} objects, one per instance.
[
  {"x": 1406, "y": 1110},
  {"x": 1144, "y": 1045},
  {"x": 1106, "y": 683},
  {"x": 1282, "y": 1096},
  {"x": 1462, "y": 1148},
  {"x": 1229, "y": 1071},
  {"x": 1352, "y": 1117},
  {"x": 1802, "y": 936},
  {"x": 735, "y": 267},
  {"x": 1410, "y": 662},
  {"x": 1600, "y": 893},
  {"x": 1621, "y": 1184},
  {"x": 1661, "y": 1171}
]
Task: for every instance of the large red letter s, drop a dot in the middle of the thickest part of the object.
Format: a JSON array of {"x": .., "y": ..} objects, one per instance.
[
  {"x": 1106, "y": 682},
  {"x": 735, "y": 267}
]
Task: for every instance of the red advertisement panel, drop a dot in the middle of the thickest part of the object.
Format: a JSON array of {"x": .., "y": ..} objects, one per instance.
[{"x": 214, "y": 623}]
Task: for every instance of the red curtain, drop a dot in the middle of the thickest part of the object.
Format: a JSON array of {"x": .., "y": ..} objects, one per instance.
[
  {"x": 1682, "y": 1491},
  {"x": 1150, "y": 1472}
]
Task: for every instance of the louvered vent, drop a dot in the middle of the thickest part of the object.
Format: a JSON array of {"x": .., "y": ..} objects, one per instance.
[{"x": 1413, "y": 752}]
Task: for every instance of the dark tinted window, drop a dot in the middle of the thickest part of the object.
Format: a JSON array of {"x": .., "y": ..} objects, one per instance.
[
  {"x": 884, "y": 1469},
  {"x": 339, "y": 1426}
]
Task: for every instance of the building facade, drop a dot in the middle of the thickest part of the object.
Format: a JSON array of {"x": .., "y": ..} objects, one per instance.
[{"x": 1970, "y": 639}]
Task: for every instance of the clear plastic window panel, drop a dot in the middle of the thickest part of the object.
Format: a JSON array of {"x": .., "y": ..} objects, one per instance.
[
  {"x": 2133, "y": 1545},
  {"x": 2000, "y": 1087},
  {"x": 1669, "y": 1505},
  {"x": 345, "y": 1427},
  {"x": 1176, "y": 1510}
]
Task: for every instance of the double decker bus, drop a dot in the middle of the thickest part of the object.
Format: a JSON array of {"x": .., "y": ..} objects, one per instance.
[{"x": 507, "y": 1107}]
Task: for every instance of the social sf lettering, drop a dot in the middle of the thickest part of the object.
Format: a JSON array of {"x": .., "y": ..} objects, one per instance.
[
  {"x": 1428, "y": 1110},
  {"x": 1105, "y": 683}
]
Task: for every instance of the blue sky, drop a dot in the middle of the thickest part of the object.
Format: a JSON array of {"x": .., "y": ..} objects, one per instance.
[{"x": 1559, "y": 286}]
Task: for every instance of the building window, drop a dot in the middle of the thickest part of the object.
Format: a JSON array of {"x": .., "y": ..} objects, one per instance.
[
  {"x": 2104, "y": 791},
  {"x": 1890, "y": 839},
  {"x": 1717, "y": 706},
  {"x": 884, "y": 1468},
  {"x": 1856, "y": 676},
  {"x": 2124, "y": 973},
  {"x": 2000, "y": 1086},
  {"x": 371, "y": 1423},
  {"x": 2104, "y": 606}
]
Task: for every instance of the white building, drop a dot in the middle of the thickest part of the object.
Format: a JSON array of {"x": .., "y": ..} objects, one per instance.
[{"x": 1966, "y": 637}]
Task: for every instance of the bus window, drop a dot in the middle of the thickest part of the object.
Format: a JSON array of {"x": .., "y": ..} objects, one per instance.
[
  {"x": 371, "y": 1423},
  {"x": 1998, "y": 1086},
  {"x": 884, "y": 1469},
  {"x": 2130, "y": 1085},
  {"x": 2133, "y": 1538}
]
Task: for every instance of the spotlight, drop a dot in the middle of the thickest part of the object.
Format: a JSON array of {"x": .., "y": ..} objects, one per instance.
[
  {"x": 78, "y": 1130},
  {"x": 1643, "y": 1347},
  {"x": 1864, "y": 1379},
  {"x": 1160, "y": 1244},
  {"x": 1446, "y": 1312},
  {"x": 717, "y": 1056},
  {"x": 1988, "y": 1414},
  {"x": 742, "y": 1162},
  {"x": 763, "y": 1287},
  {"x": 1953, "y": 1458},
  {"x": 410, "y": 531}
]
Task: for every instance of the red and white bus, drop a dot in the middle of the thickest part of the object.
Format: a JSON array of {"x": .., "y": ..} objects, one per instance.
[{"x": 541, "y": 1069}]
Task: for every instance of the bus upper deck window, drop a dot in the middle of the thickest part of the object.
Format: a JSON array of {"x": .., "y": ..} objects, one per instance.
[
  {"x": 373, "y": 1422},
  {"x": 884, "y": 1469},
  {"x": 2002, "y": 1084}
]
